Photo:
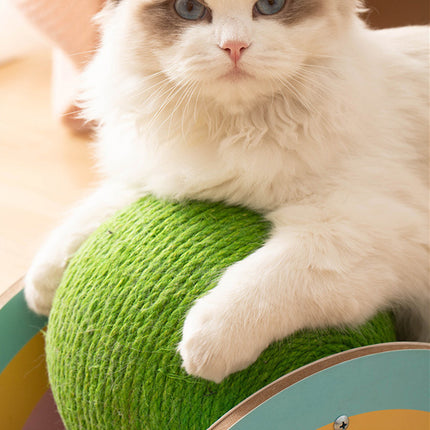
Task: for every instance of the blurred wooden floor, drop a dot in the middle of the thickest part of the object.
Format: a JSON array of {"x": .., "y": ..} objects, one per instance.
[{"x": 44, "y": 169}]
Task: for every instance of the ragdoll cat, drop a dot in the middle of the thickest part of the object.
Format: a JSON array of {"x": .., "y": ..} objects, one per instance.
[{"x": 292, "y": 108}]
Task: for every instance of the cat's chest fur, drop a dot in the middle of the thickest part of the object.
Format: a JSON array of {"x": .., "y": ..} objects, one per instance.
[{"x": 260, "y": 165}]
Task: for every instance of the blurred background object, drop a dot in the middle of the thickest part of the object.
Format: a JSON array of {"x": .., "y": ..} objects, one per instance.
[
  {"x": 397, "y": 13},
  {"x": 70, "y": 27},
  {"x": 17, "y": 38}
]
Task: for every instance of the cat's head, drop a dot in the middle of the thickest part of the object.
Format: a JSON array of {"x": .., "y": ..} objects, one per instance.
[{"x": 231, "y": 52}]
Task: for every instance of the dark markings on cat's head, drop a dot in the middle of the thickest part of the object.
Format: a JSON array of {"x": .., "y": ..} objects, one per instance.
[
  {"x": 296, "y": 11},
  {"x": 165, "y": 25},
  {"x": 163, "y": 22}
]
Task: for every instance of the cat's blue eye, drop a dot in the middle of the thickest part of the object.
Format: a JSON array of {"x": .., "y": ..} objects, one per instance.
[
  {"x": 190, "y": 9},
  {"x": 269, "y": 7}
]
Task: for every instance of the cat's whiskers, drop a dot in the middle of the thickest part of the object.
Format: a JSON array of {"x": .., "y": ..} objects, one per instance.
[
  {"x": 154, "y": 116},
  {"x": 317, "y": 91},
  {"x": 76, "y": 54},
  {"x": 304, "y": 101},
  {"x": 314, "y": 82},
  {"x": 168, "y": 88},
  {"x": 196, "y": 99},
  {"x": 146, "y": 89},
  {"x": 326, "y": 56},
  {"x": 172, "y": 92},
  {"x": 159, "y": 83},
  {"x": 184, "y": 104},
  {"x": 188, "y": 89},
  {"x": 185, "y": 112},
  {"x": 298, "y": 97},
  {"x": 319, "y": 68}
]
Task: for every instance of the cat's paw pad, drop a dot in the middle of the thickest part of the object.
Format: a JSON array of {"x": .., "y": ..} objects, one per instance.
[
  {"x": 213, "y": 344},
  {"x": 41, "y": 283}
]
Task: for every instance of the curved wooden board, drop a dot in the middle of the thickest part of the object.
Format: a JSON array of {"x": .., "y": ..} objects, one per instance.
[{"x": 240, "y": 411}]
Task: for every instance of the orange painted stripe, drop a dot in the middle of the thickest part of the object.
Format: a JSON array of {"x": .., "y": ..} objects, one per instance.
[
  {"x": 23, "y": 383},
  {"x": 395, "y": 419}
]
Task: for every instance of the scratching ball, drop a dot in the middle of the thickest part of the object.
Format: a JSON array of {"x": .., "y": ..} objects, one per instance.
[{"x": 117, "y": 317}]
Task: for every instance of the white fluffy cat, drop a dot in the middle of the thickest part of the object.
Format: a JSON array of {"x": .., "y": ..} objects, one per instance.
[{"x": 293, "y": 108}]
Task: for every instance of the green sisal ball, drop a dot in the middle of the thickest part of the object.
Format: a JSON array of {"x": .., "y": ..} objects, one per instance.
[{"x": 117, "y": 318}]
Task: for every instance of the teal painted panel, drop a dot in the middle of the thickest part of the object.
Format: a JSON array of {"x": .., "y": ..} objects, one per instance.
[
  {"x": 18, "y": 325},
  {"x": 388, "y": 380}
]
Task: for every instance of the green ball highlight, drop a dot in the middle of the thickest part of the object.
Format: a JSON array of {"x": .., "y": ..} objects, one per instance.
[{"x": 116, "y": 322}]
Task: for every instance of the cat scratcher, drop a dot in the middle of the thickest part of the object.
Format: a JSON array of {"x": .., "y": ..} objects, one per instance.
[
  {"x": 117, "y": 317},
  {"x": 379, "y": 386},
  {"x": 391, "y": 390}
]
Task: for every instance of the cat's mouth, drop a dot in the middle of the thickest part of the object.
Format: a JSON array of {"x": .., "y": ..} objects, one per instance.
[{"x": 235, "y": 74}]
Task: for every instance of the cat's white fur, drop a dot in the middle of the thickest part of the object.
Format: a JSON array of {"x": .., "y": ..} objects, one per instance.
[{"x": 329, "y": 139}]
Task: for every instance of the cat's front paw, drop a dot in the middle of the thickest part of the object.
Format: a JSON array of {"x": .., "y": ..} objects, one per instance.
[
  {"x": 41, "y": 282},
  {"x": 216, "y": 341}
]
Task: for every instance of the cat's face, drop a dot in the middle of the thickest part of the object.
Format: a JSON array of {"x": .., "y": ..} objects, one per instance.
[{"x": 233, "y": 52}]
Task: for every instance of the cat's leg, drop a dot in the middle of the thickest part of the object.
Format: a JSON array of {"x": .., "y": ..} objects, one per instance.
[
  {"x": 317, "y": 270},
  {"x": 51, "y": 260}
]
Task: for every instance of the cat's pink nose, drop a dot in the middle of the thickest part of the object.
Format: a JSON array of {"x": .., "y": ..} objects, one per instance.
[{"x": 234, "y": 48}]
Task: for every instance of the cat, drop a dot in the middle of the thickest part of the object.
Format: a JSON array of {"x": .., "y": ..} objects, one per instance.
[{"x": 293, "y": 108}]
